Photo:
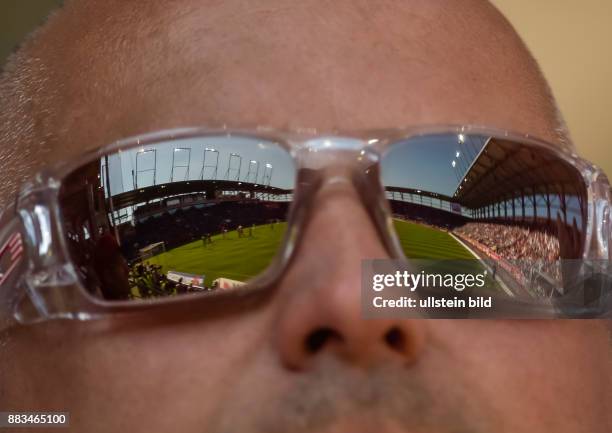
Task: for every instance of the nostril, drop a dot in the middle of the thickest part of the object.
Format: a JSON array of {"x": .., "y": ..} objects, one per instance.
[
  {"x": 396, "y": 340},
  {"x": 319, "y": 338}
]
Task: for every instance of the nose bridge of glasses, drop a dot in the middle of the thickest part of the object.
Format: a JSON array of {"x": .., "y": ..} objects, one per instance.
[{"x": 336, "y": 156}]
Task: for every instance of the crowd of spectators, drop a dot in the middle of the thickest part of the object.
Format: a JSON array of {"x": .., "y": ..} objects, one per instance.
[
  {"x": 149, "y": 281},
  {"x": 513, "y": 242},
  {"x": 528, "y": 251}
]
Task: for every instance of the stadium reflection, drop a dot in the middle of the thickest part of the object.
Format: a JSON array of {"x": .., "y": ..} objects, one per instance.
[
  {"x": 518, "y": 208},
  {"x": 192, "y": 215},
  {"x": 177, "y": 217}
]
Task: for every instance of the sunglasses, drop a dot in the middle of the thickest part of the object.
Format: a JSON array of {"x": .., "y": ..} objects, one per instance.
[{"x": 197, "y": 215}]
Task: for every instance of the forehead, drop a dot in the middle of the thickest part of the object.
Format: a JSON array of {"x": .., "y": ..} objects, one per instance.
[{"x": 102, "y": 71}]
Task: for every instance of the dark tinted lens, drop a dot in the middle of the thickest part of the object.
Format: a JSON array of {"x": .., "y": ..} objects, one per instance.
[
  {"x": 178, "y": 217},
  {"x": 518, "y": 206}
]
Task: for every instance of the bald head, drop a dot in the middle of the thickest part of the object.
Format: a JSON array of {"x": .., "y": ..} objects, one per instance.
[{"x": 103, "y": 70}]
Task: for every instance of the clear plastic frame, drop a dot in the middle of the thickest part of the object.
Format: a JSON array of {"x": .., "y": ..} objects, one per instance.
[{"x": 40, "y": 278}]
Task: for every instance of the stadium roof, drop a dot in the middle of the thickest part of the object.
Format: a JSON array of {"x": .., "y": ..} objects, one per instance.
[
  {"x": 141, "y": 195},
  {"x": 505, "y": 168}
]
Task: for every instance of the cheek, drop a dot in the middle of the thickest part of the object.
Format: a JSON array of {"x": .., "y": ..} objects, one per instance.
[
  {"x": 546, "y": 371},
  {"x": 141, "y": 372}
]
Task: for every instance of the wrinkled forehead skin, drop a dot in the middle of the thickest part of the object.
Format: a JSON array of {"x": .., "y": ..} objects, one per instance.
[{"x": 99, "y": 71}]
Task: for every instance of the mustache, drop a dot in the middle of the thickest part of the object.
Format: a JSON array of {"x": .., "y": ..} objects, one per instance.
[{"x": 332, "y": 394}]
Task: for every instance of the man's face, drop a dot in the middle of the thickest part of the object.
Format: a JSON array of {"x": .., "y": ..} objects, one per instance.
[{"x": 103, "y": 70}]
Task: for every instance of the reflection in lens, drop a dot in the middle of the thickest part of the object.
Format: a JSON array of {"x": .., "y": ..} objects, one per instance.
[
  {"x": 176, "y": 217},
  {"x": 518, "y": 207}
]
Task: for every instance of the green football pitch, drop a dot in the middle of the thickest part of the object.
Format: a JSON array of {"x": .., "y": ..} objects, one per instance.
[
  {"x": 227, "y": 257},
  {"x": 243, "y": 258},
  {"x": 423, "y": 242}
]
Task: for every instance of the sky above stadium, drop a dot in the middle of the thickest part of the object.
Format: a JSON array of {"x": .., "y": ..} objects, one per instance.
[
  {"x": 236, "y": 158},
  {"x": 432, "y": 163}
]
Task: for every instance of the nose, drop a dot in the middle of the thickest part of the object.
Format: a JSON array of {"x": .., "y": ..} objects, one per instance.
[{"x": 319, "y": 299}]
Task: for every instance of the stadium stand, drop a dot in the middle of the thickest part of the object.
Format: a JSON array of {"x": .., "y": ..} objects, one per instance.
[
  {"x": 182, "y": 226},
  {"x": 426, "y": 215},
  {"x": 513, "y": 242}
]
